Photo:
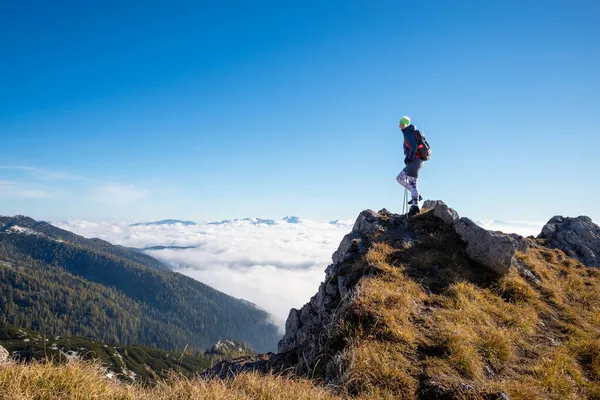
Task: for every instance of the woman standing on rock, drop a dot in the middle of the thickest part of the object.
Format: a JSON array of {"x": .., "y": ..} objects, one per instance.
[{"x": 416, "y": 151}]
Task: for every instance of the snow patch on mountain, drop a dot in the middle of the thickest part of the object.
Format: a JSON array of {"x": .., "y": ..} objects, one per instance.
[
  {"x": 165, "y": 222},
  {"x": 253, "y": 221},
  {"x": 23, "y": 230}
]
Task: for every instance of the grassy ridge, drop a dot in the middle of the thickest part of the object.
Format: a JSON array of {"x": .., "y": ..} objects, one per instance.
[{"x": 427, "y": 322}]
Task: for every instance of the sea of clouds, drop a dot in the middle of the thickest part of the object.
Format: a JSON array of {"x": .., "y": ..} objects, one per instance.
[{"x": 276, "y": 265}]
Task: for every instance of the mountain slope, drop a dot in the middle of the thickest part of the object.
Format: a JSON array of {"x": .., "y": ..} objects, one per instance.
[
  {"x": 62, "y": 283},
  {"x": 24, "y": 226},
  {"x": 412, "y": 308},
  {"x": 128, "y": 363}
]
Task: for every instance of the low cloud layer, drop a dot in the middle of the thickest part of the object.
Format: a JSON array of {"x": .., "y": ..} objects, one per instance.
[
  {"x": 274, "y": 265},
  {"x": 522, "y": 228}
]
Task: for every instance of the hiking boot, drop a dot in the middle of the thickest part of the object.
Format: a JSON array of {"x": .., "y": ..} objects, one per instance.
[
  {"x": 414, "y": 210},
  {"x": 420, "y": 199}
]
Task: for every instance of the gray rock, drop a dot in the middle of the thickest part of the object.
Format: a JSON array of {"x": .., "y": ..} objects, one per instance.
[
  {"x": 317, "y": 300},
  {"x": 332, "y": 289},
  {"x": 313, "y": 320},
  {"x": 441, "y": 210},
  {"x": 367, "y": 223},
  {"x": 346, "y": 246},
  {"x": 4, "y": 355},
  {"x": 495, "y": 250},
  {"x": 577, "y": 237},
  {"x": 342, "y": 286},
  {"x": 436, "y": 390},
  {"x": 488, "y": 371},
  {"x": 526, "y": 273},
  {"x": 293, "y": 321},
  {"x": 466, "y": 387}
]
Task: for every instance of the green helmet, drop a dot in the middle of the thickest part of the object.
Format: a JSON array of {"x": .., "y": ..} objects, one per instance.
[{"x": 405, "y": 121}]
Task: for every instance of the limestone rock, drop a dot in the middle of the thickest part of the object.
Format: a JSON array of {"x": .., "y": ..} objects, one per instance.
[
  {"x": 346, "y": 246},
  {"x": 494, "y": 250},
  {"x": 302, "y": 327},
  {"x": 368, "y": 223},
  {"x": 293, "y": 321},
  {"x": 441, "y": 210},
  {"x": 577, "y": 237},
  {"x": 4, "y": 355}
]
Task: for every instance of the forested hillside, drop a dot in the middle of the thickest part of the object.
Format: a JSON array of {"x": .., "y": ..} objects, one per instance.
[{"x": 62, "y": 283}]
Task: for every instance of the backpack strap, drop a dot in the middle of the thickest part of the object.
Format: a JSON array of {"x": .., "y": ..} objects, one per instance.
[{"x": 418, "y": 139}]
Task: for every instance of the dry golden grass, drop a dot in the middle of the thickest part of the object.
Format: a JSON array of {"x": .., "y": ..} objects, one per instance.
[
  {"x": 377, "y": 370},
  {"x": 52, "y": 382},
  {"x": 84, "y": 381}
]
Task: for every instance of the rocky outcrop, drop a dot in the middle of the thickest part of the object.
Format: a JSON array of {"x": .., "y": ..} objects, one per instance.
[
  {"x": 308, "y": 329},
  {"x": 303, "y": 327},
  {"x": 311, "y": 339},
  {"x": 494, "y": 250},
  {"x": 441, "y": 210},
  {"x": 577, "y": 237},
  {"x": 4, "y": 355}
]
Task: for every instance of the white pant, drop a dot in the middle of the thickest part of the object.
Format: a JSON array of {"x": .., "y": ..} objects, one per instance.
[{"x": 410, "y": 183}]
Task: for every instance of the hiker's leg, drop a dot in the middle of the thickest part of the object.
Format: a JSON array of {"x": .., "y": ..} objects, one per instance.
[
  {"x": 412, "y": 172},
  {"x": 401, "y": 178},
  {"x": 414, "y": 190}
]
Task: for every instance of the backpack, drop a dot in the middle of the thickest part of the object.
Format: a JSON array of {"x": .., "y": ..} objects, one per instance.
[{"x": 423, "y": 148}]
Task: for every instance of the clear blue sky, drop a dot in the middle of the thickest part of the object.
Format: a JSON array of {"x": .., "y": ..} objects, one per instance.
[{"x": 215, "y": 109}]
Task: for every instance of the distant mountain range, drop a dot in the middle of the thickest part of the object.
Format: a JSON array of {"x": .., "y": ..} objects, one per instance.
[
  {"x": 54, "y": 280},
  {"x": 165, "y": 222},
  {"x": 290, "y": 219},
  {"x": 253, "y": 221},
  {"x": 155, "y": 248}
]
